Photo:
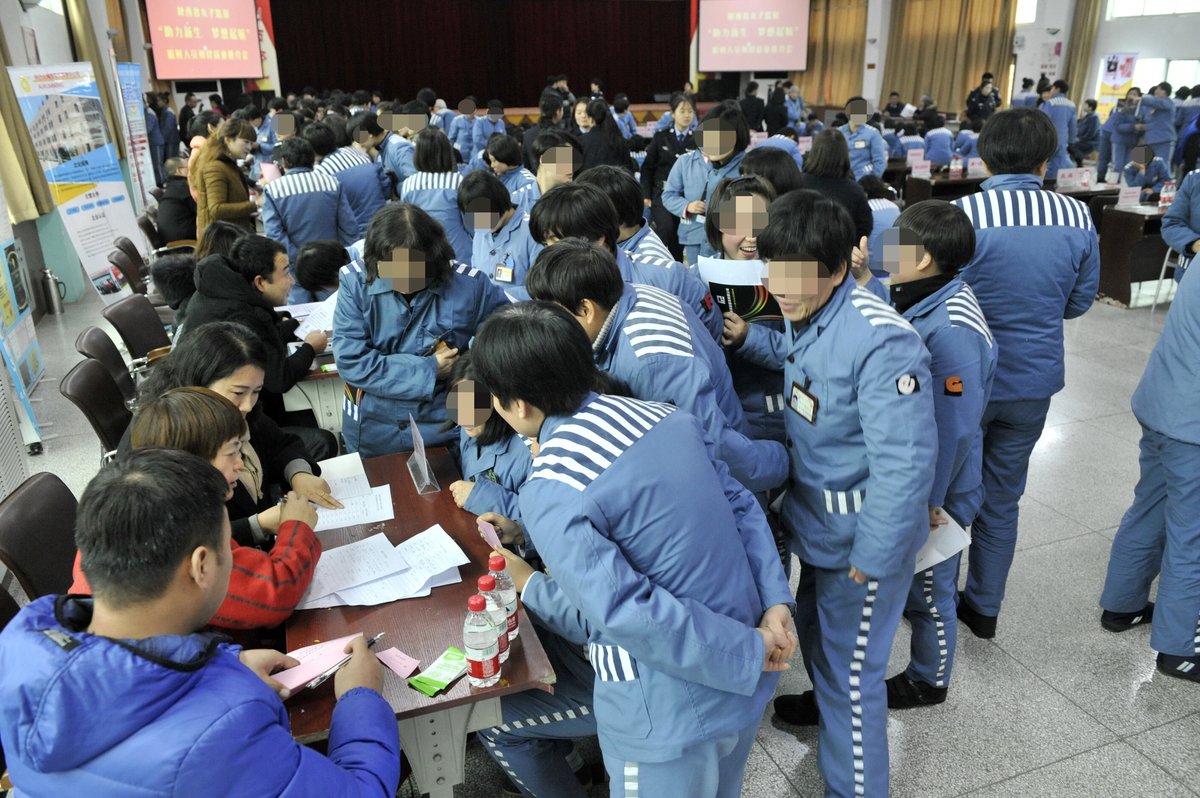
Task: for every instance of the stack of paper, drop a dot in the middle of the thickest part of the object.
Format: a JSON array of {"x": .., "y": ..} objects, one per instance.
[
  {"x": 319, "y": 318},
  {"x": 346, "y": 476},
  {"x": 367, "y": 508},
  {"x": 410, "y": 570}
]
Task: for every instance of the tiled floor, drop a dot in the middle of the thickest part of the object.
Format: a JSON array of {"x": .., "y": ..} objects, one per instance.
[{"x": 1054, "y": 706}]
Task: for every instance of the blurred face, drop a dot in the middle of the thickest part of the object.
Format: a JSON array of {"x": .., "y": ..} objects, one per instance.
[
  {"x": 794, "y": 93},
  {"x": 985, "y": 89},
  {"x": 558, "y": 165},
  {"x": 285, "y": 127},
  {"x": 1133, "y": 94},
  {"x": 1159, "y": 91},
  {"x": 684, "y": 115},
  {"x": 242, "y": 387},
  {"x": 801, "y": 285},
  {"x": 581, "y": 117},
  {"x": 229, "y": 462},
  {"x": 466, "y": 107},
  {"x": 280, "y": 283},
  {"x": 904, "y": 256},
  {"x": 498, "y": 167},
  {"x": 858, "y": 111},
  {"x": 191, "y": 102},
  {"x": 1141, "y": 155},
  {"x": 479, "y": 215},
  {"x": 239, "y": 147},
  {"x": 469, "y": 407},
  {"x": 717, "y": 139},
  {"x": 740, "y": 220},
  {"x": 407, "y": 270}
]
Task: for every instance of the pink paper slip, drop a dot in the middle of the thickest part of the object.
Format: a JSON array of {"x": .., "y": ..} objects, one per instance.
[
  {"x": 489, "y": 534},
  {"x": 400, "y": 663},
  {"x": 314, "y": 660}
]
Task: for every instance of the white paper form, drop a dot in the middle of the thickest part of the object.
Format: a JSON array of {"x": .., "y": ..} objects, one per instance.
[
  {"x": 320, "y": 318},
  {"x": 353, "y": 564},
  {"x": 365, "y": 509},
  {"x": 943, "y": 543},
  {"x": 393, "y": 588},
  {"x": 345, "y": 476}
]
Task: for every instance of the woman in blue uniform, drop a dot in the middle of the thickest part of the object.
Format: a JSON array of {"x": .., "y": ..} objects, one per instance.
[{"x": 434, "y": 188}]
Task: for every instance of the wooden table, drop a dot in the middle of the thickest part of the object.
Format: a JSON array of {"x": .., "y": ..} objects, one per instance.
[
  {"x": 943, "y": 187},
  {"x": 432, "y": 730},
  {"x": 1131, "y": 249},
  {"x": 320, "y": 391}
]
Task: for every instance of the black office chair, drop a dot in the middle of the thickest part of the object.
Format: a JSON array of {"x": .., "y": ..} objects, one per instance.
[
  {"x": 138, "y": 324},
  {"x": 150, "y": 230},
  {"x": 37, "y": 535},
  {"x": 89, "y": 387},
  {"x": 95, "y": 343}
]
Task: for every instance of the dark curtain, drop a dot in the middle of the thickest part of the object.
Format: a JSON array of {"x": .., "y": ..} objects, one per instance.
[{"x": 487, "y": 48}]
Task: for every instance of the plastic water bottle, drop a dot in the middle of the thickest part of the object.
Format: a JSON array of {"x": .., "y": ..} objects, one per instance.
[
  {"x": 498, "y": 570},
  {"x": 495, "y": 608},
  {"x": 480, "y": 644}
]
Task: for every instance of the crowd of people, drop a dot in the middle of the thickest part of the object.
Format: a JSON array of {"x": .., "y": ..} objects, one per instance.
[{"x": 533, "y": 303}]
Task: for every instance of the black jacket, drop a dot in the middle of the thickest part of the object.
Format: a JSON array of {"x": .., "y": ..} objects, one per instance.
[
  {"x": 661, "y": 153},
  {"x": 177, "y": 211},
  {"x": 754, "y": 110},
  {"x": 222, "y": 294},
  {"x": 849, "y": 195},
  {"x": 597, "y": 151},
  {"x": 776, "y": 117}
]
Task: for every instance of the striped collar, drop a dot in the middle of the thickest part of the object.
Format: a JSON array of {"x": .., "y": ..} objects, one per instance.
[{"x": 1012, "y": 182}]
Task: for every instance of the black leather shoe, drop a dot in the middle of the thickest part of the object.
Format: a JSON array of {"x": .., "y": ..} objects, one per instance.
[
  {"x": 798, "y": 710},
  {"x": 1121, "y": 621},
  {"x": 906, "y": 693},
  {"x": 1179, "y": 667},
  {"x": 982, "y": 626}
]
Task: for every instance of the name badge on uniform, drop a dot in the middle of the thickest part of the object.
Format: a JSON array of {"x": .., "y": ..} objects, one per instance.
[
  {"x": 803, "y": 403},
  {"x": 860, "y": 145},
  {"x": 698, "y": 219},
  {"x": 503, "y": 273}
]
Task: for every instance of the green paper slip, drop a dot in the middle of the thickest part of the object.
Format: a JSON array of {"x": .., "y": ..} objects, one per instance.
[{"x": 445, "y": 669}]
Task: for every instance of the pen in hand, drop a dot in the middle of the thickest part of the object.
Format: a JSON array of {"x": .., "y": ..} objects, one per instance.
[{"x": 318, "y": 681}]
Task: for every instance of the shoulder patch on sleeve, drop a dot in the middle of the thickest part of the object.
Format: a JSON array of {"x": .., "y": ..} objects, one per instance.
[
  {"x": 964, "y": 311},
  {"x": 465, "y": 269},
  {"x": 877, "y": 312},
  {"x": 656, "y": 324}
]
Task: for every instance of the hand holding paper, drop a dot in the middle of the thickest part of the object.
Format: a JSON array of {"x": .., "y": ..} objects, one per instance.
[{"x": 489, "y": 534}]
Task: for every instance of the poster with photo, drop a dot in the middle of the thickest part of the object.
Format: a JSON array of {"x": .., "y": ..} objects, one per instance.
[{"x": 18, "y": 340}]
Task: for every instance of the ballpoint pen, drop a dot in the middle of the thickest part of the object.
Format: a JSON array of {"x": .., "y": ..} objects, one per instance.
[{"x": 318, "y": 681}]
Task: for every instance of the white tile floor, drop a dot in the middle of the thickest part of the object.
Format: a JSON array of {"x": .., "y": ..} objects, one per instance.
[{"x": 1053, "y": 706}]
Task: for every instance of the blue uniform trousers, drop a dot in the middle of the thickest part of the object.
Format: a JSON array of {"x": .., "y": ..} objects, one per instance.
[
  {"x": 1104, "y": 157},
  {"x": 1010, "y": 431},
  {"x": 1164, "y": 150},
  {"x": 712, "y": 769},
  {"x": 932, "y": 606},
  {"x": 845, "y": 631},
  {"x": 1160, "y": 536}
]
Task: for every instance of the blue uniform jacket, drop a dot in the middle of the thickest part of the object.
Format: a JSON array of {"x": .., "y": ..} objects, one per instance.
[
  {"x": 436, "y": 193},
  {"x": 674, "y": 278},
  {"x": 626, "y": 123},
  {"x": 1062, "y": 113},
  {"x": 910, "y": 143},
  {"x": 168, "y": 716},
  {"x": 1037, "y": 262},
  {"x": 1165, "y": 398},
  {"x": 461, "y": 132},
  {"x": 367, "y": 186},
  {"x": 962, "y": 365},
  {"x": 384, "y": 348},
  {"x": 894, "y": 148},
  {"x": 966, "y": 144},
  {"x": 646, "y": 242},
  {"x": 939, "y": 146},
  {"x": 154, "y": 135},
  {"x": 662, "y": 564},
  {"x": 884, "y": 214},
  {"x": 1027, "y": 99},
  {"x": 660, "y": 351},
  {"x": 1181, "y": 224},
  {"x": 482, "y": 131},
  {"x": 1087, "y": 132},
  {"x": 693, "y": 178},
  {"x": 1157, "y": 172},
  {"x": 168, "y": 123},
  {"x": 304, "y": 206},
  {"x": 522, "y": 188},
  {"x": 868, "y": 153},
  {"x": 511, "y": 249},
  {"x": 498, "y": 471},
  {"x": 1124, "y": 127},
  {"x": 396, "y": 155},
  {"x": 266, "y": 139},
  {"x": 1158, "y": 115},
  {"x": 442, "y": 120},
  {"x": 787, "y": 145},
  {"x": 863, "y": 447},
  {"x": 1188, "y": 110},
  {"x": 795, "y": 111}
]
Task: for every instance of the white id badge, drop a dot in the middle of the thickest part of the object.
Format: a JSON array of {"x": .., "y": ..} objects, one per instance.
[
  {"x": 860, "y": 145},
  {"x": 803, "y": 403},
  {"x": 503, "y": 273}
]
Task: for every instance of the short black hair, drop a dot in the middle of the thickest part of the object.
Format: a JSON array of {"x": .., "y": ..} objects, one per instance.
[
  {"x": 830, "y": 155},
  {"x": 1063, "y": 86},
  {"x": 875, "y": 188},
  {"x": 277, "y": 104},
  {"x": 295, "y": 152},
  {"x": 432, "y": 151},
  {"x": 254, "y": 256},
  {"x": 807, "y": 222},
  {"x": 427, "y": 96},
  {"x": 550, "y": 138},
  {"x": 548, "y": 107},
  {"x": 945, "y": 231},
  {"x": 575, "y": 209},
  {"x": 320, "y": 137},
  {"x": 619, "y": 186},
  {"x": 621, "y": 103},
  {"x": 415, "y": 107},
  {"x": 751, "y": 88},
  {"x": 366, "y": 121},
  {"x": 141, "y": 518},
  {"x": 748, "y": 183},
  {"x": 731, "y": 116},
  {"x": 482, "y": 184},
  {"x": 505, "y": 149},
  {"x": 536, "y": 352},
  {"x": 1090, "y": 104},
  {"x": 318, "y": 263},
  {"x": 399, "y": 224},
  {"x": 495, "y": 429},
  {"x": 208, "y": 353},
  {"x": 775, "y": 165},
  {"x": 573, "y": 270},
  {"x": 1017, "y": 141},
  {"x": 494, "y": 106},
  {"x": 894, "y": 94}
]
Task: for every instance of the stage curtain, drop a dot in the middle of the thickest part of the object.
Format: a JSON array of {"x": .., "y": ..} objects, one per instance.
[
  {"x": 25, "y": 186},
  {"x": 837, "y": 31},
  {"x": 941, "y": 47},
  {"x": 1080, "y": 66},
  {"x": 487, "y": 48}
]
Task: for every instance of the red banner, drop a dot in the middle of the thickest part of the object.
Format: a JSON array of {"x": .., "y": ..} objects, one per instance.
[{"x": 204, "y": 39}]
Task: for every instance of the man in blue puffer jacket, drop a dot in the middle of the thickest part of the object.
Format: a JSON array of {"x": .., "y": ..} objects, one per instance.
[{"x": 120, "y": 694}]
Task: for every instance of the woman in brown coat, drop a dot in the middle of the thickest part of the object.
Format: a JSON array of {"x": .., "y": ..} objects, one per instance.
[{"x": 224, "y": 192}]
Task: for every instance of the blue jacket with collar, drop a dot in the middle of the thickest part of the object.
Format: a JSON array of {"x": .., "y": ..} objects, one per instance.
[
  {"x": 436, "y": 193},
  {"x": 962, "y": 366},
  {"x": 894, "y": 148},
  {"x": 442, "y": 120},
  {"x": 1158, "y": 114},
  {"x": 462, "y": 130},
  {"x": 966, "y": 144},
  {"x": 693, "y": 178},
  {"x": 1157, "y": 172},
  {"x": 384, "y": 348},
  {"x": 662, "y": 564},
  {"x": 910, "y": 143},
  {"x": 266, "y": 139},
  {"x": 787, "y": 145},
  {"x": 1124, "y": 127},
  {"x": 511, "y": 247},
  {"x": 1181, "y": 224},
  {"x": 366, "y": 185},
  {"x": 396, "y": 155},
  {"x": 939, "y": 146},
  {"x": 304, "y": 206},
  {"x": 860, "y": 419},
  {"x": 522, "y": 188},
  {"x": 498, "y": 471},
  {"x": 483, "y": 130},
  {"x": 660, "y": 351},
  {"x": 1165, "y": 398},
  {"x": 1062, "y": 113},
  {"x": 674, "y": 278},
  {"x": 163, "y": 716},
  {"x": 1037, "y": 262},
  {"x": 646, "y": 242},
  {"x": 868, "y": 153},
  {"x": 795, "y": 109},
  {"x": 1087, "y": 131},
  {"x": 625, "y": 123}
]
